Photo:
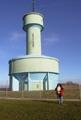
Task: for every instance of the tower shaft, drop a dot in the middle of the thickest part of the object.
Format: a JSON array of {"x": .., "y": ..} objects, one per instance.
[
  {"x": 33, "y": 40},
  {"x": 33, "y": 25}
]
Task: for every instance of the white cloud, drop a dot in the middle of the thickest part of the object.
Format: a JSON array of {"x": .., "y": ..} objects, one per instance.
[
  {"x": 16, "y": 40},
  {"x": 51, "y": 39},
  {"x": 13, "y": 42},
  {"x": 16, "y": 36}
]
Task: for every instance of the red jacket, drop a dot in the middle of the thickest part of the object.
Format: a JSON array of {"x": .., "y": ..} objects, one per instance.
[{"x": 62, "y": 91}]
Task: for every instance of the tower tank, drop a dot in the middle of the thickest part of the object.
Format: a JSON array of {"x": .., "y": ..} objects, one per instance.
[{"x": 33, "y": 71}]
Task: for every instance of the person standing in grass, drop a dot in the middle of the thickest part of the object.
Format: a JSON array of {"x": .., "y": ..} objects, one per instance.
[{"x": 60, "y": 93}]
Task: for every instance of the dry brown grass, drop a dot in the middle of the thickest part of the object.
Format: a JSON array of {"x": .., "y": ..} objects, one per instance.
[{"x": 70, "y": 92}]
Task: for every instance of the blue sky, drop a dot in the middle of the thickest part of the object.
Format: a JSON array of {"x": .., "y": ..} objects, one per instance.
[{"x": 61, "y": 37}]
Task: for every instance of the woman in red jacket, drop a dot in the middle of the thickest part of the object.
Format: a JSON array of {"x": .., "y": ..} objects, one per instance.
[{"x": 60, "y": 93}]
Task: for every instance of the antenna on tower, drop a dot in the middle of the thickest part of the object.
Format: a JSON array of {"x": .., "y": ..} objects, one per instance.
[{"x": 33, "y": 5}]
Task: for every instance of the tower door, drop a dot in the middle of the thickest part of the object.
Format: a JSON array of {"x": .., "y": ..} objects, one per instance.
[{"x": 36, "y": 85}]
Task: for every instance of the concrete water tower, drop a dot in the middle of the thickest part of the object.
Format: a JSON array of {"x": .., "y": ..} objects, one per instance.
[{"x": 33, "y": 71}]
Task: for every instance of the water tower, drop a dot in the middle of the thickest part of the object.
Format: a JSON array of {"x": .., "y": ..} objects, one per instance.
[{"x": 33, "y": 71}]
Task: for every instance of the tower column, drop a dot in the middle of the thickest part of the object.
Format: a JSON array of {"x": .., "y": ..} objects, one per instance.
[
  {"x": 33, "y": 40},
  {"x": 11, "y": 82},
  {"x": 33, "y": 25}
]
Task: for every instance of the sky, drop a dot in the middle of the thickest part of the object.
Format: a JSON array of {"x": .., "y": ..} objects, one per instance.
[{"x": 61, "y": 37}]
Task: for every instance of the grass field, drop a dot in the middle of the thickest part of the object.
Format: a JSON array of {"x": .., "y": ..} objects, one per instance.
[{"x": 39, "y": 110}]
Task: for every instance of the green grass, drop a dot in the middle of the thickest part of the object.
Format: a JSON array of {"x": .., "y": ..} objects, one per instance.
[{"x": 39, "y": 110}]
